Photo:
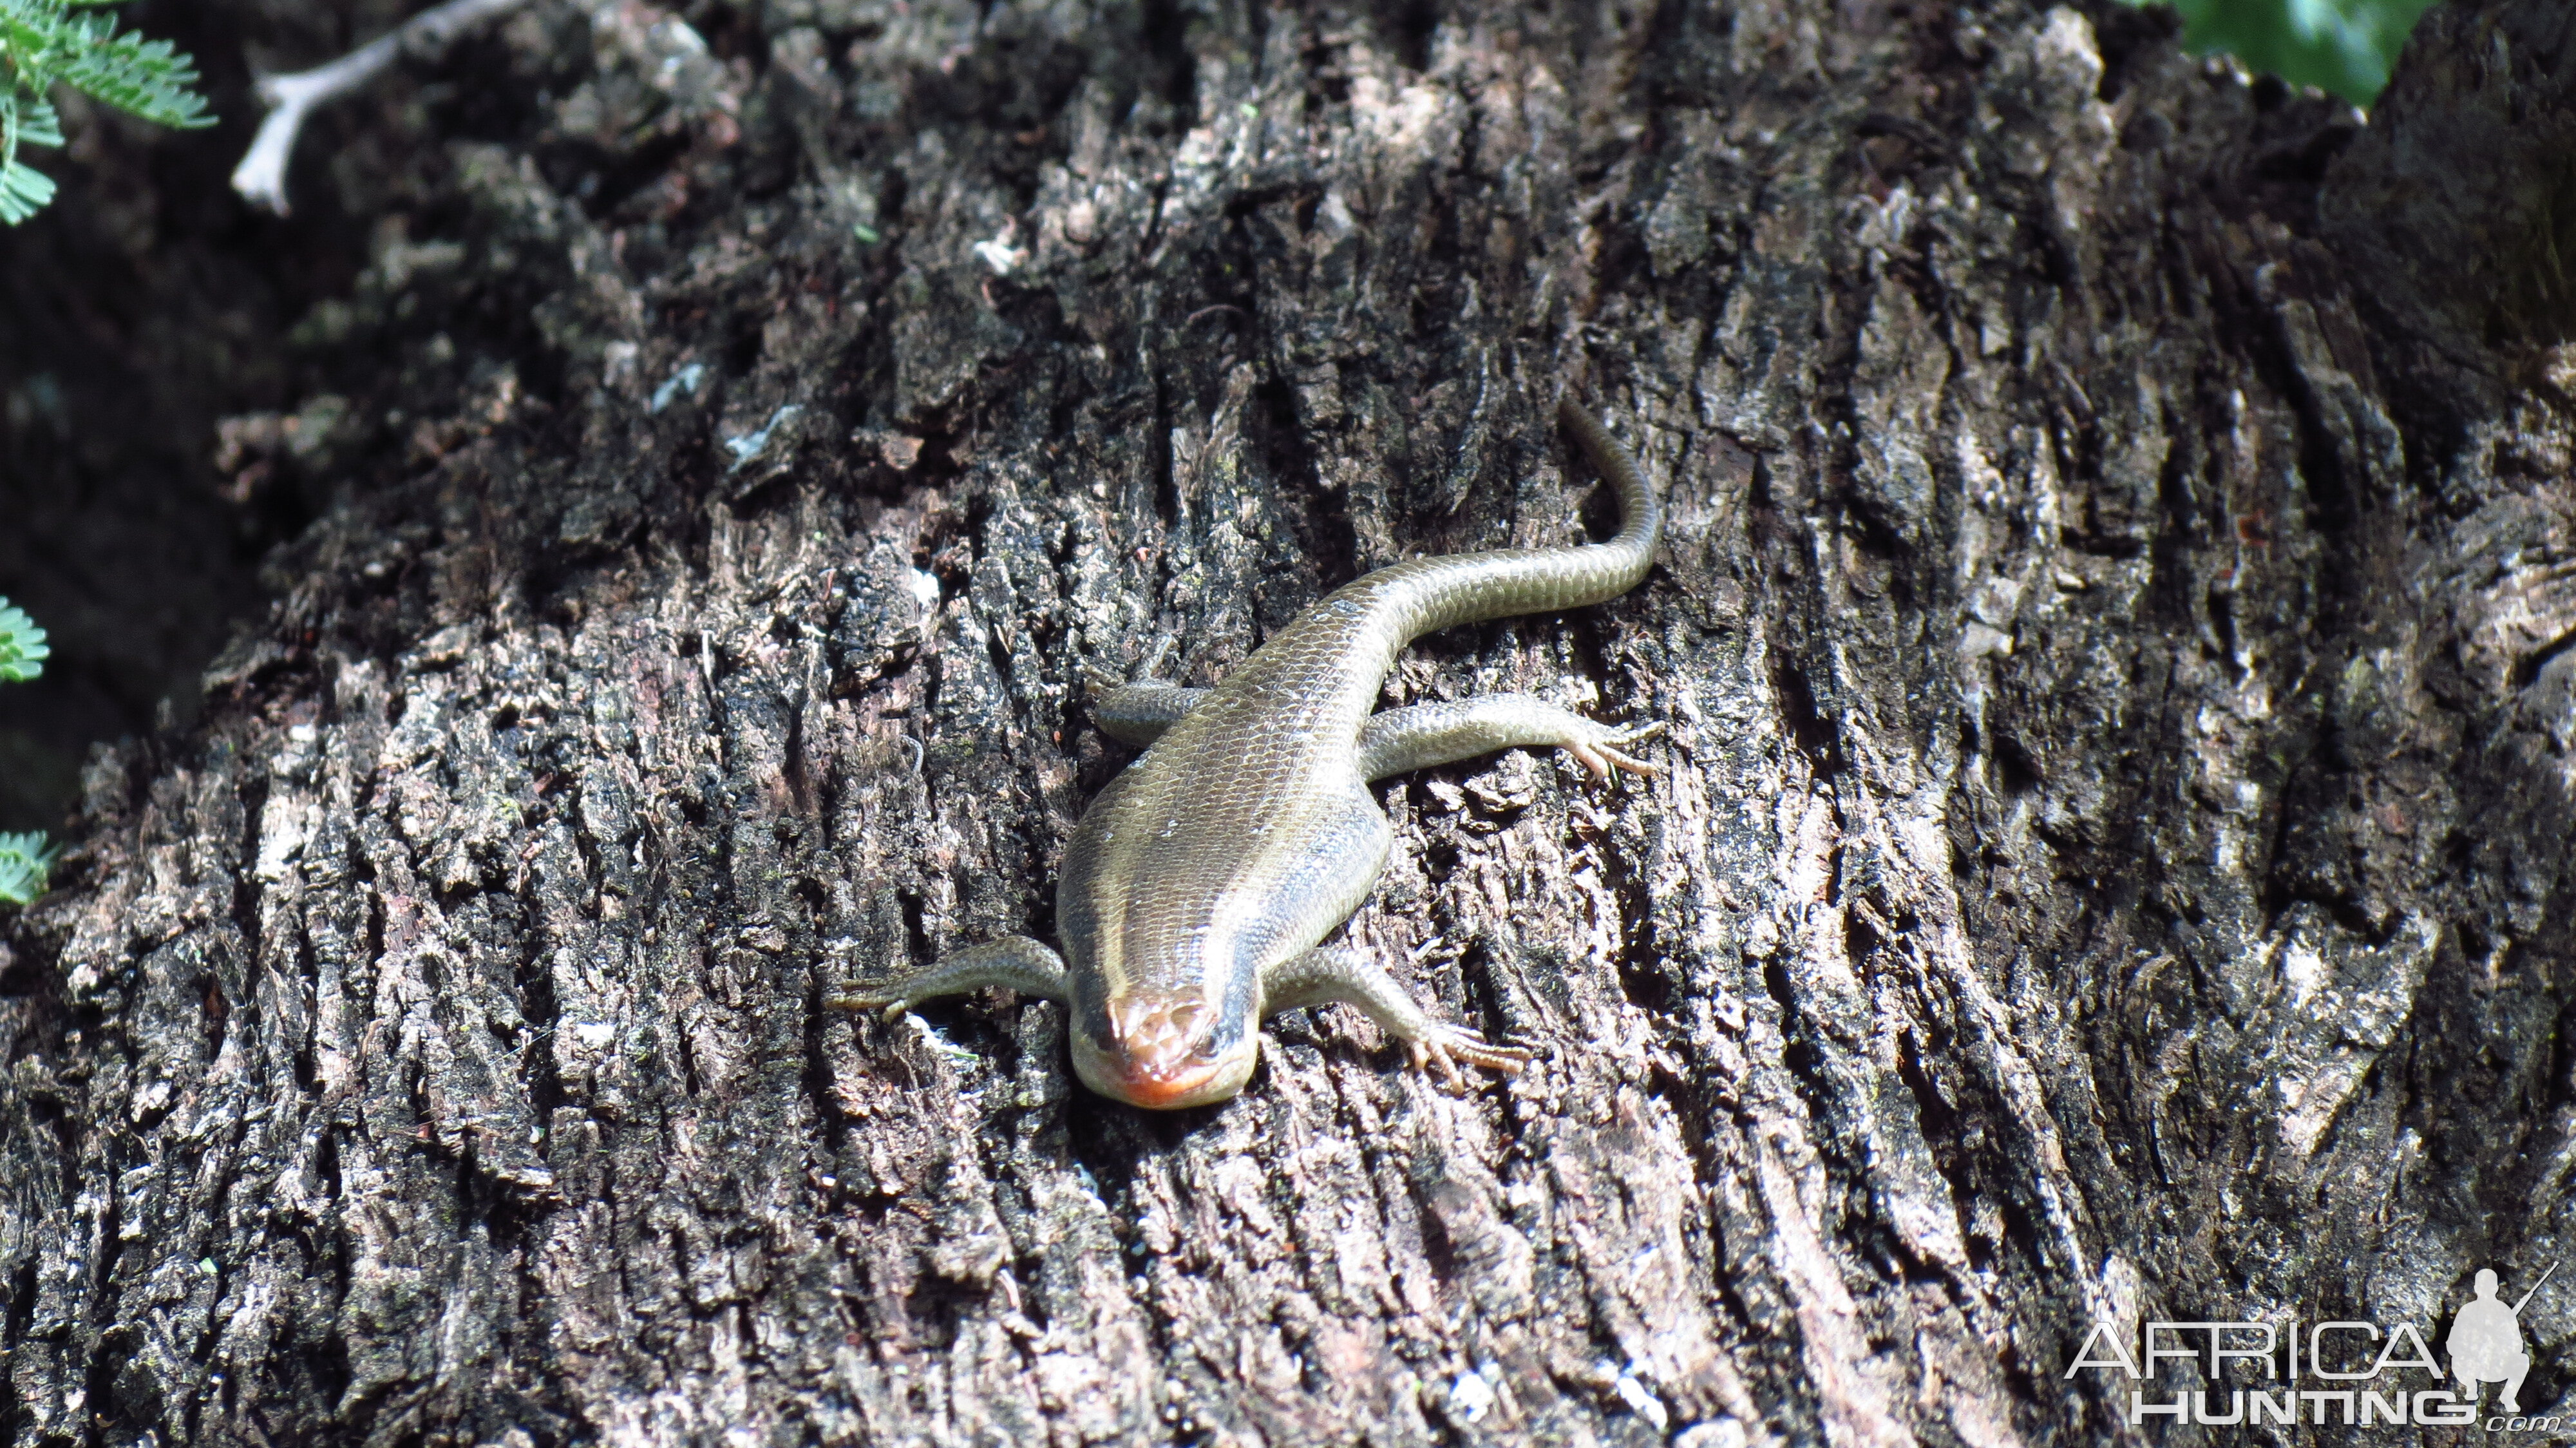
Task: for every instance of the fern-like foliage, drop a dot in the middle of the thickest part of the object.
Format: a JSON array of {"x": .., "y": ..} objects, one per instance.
[
  {"x": 25, "y": 862},
  {"x": 47, "y": 41},
  {"x": 23, "y": 650}
]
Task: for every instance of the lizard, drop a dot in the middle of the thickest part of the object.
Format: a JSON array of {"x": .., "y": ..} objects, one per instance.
[{"x": 1197, "y": 888}]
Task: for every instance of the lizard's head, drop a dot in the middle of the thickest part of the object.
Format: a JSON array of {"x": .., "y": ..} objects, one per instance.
[{"x": 1166, "y": 1049}]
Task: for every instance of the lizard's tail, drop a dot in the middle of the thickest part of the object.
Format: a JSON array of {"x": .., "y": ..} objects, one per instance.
[{"x": 1433, "y": 593}]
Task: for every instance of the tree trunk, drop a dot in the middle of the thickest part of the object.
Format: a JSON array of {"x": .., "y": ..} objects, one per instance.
[{"x": 2112, "y": 865}]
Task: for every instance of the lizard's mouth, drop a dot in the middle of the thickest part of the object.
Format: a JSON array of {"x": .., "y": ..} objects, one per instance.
[
  {"x": 1162, "y": 1054},
  {"x": 1193, "y": 1087}
]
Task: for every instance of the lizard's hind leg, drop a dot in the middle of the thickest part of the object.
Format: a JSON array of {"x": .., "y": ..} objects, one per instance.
[
  {"x": 1444, "y": 733},
  {"x": 1138, "y": 713}
]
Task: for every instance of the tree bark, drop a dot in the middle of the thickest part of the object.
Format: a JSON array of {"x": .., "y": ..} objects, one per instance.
[{"x": 2112, "y": 864}]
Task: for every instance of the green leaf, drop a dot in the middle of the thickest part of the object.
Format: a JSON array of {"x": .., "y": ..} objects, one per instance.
[
  {"x": 43, "y": 42},
  {"x": 23, "y": 650},
  {"x": 26, "y": 863},
  {"x": 23, "y": 191},
  {"x": 131, "y": 73},
  {"x": 39, "y": 124},
  {"x": 2344, "y": 46}
]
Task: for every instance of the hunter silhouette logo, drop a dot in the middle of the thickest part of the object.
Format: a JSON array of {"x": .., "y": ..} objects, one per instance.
[{"x": 2486, "y": 1341}]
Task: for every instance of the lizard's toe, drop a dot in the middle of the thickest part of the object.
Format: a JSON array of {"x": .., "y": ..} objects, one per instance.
[
  {"x": 1600, "y": 753},
  {"x": 894, "y": 1006},
  {"x": 1442, "y": 1053},
  {"x": 1431, "y": 1057},
  {"x": 1632, "y": 765},
  {"x": 1501, "y": 1060}
]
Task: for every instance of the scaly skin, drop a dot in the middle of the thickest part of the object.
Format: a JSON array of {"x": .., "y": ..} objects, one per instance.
[{"x": 1198, "y": 885}]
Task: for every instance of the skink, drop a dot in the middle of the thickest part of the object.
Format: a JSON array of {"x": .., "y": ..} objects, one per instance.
[{"x": 1199, "y": 885}]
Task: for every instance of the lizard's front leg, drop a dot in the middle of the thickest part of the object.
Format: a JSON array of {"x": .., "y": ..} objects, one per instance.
[
  {"x": 1014, "y": 961},
  {"x": 1337, "y": 973}
]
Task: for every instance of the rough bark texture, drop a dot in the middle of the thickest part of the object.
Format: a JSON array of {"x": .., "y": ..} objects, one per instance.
[{"x": 2113, "y": 865}]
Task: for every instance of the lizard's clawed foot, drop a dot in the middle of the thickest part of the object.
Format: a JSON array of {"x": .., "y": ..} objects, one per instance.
[
  {"x": 1441, "y": 1052},
  {"x": 894, "y": 1003},
  {"x": 1600, "y": 755}
]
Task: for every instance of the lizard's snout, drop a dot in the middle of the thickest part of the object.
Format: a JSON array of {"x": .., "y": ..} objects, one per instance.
[
  {"x": 1159, "y": 1027},
  {"x": 1163, "y": 1053}
]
